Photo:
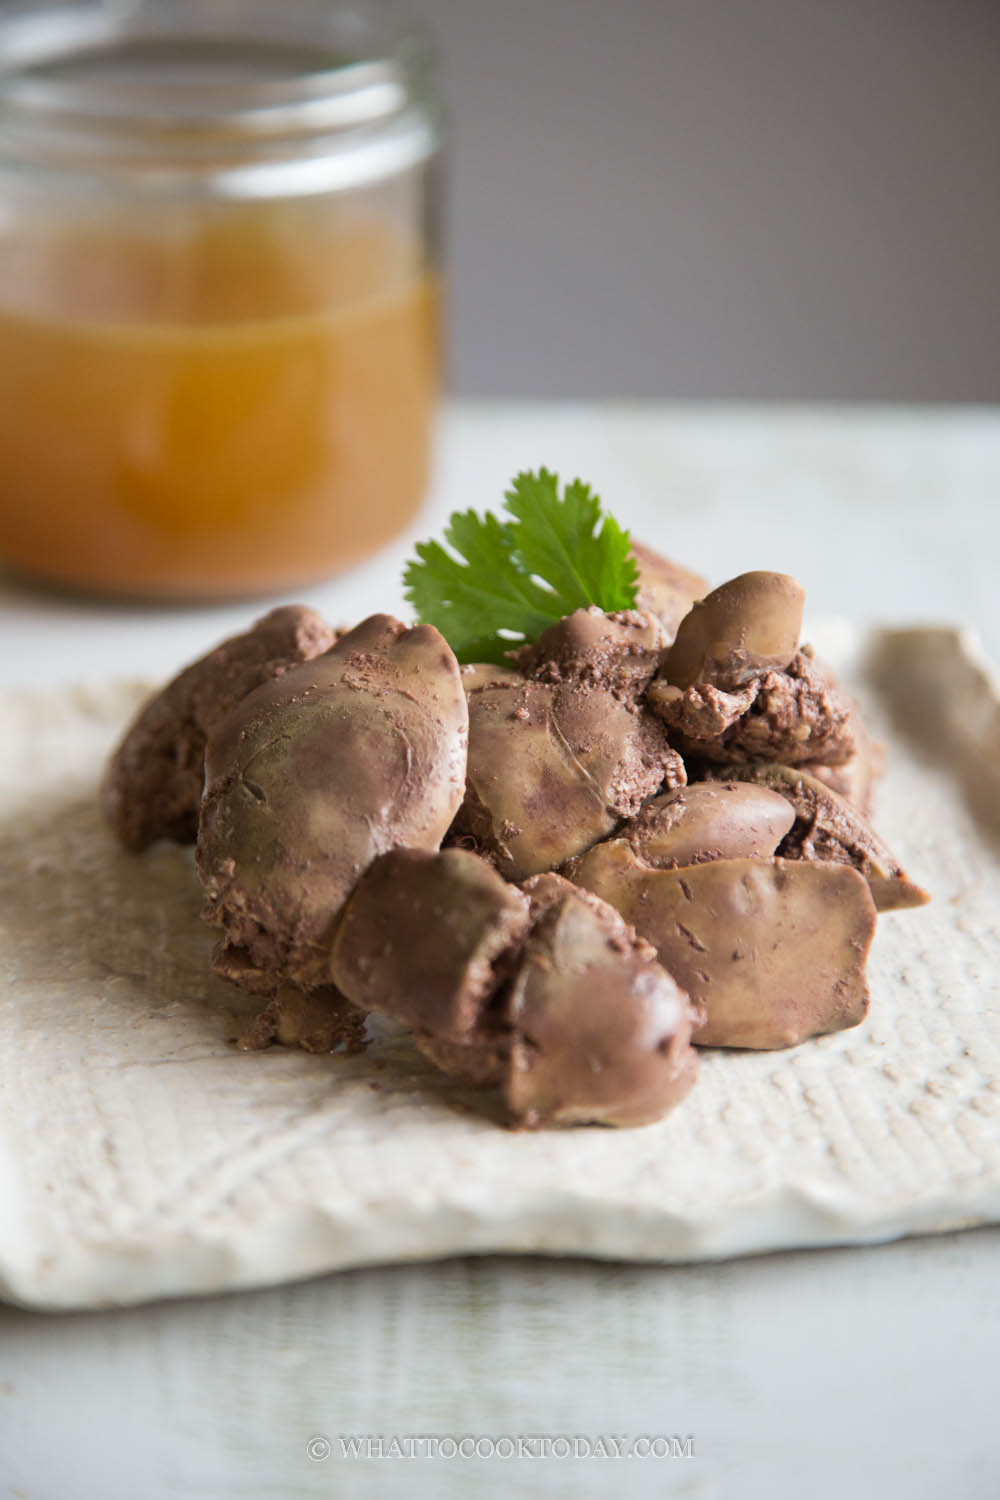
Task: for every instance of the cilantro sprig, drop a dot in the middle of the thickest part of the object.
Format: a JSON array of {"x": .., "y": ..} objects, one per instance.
[{"x": 508, "y": 578}]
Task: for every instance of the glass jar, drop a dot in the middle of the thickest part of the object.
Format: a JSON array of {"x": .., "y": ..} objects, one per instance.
[{"x": 218, "y": 291}]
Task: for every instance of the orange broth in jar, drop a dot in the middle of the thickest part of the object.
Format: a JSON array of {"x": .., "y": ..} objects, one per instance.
[
  {"x": 218, "y": 290},
  {"x": 236, "y": 407}
]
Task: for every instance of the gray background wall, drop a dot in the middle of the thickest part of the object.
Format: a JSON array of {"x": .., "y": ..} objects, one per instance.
[{"x": 794, "y": 199}]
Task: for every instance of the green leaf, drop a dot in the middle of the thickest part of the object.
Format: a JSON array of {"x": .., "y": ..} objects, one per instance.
[
  {"x": 563, "y": 541},
  {"x": 520, "y": 576},
  {"x": 470, "y": 601}
]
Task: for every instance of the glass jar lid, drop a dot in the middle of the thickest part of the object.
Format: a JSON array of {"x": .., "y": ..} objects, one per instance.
[{"x": 217, "y": 95}]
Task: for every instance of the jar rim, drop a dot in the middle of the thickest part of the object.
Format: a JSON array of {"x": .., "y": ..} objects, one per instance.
[{"x": 141, "y": 82}]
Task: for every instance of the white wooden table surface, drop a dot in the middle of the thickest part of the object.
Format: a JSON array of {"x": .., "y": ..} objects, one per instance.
[{"x": 870, "y": 1372}]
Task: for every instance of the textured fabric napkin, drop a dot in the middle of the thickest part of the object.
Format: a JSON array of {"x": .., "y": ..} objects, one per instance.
[{"x": 142, "y": 1156}]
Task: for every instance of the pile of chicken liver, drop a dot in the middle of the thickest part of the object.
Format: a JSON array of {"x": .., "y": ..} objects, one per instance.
[{"x": 649, "y": 833}]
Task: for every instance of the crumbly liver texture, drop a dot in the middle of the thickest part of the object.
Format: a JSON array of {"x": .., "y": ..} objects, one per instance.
[
  {"x": 735, "y": 686},
  {"x": 747, "y": 625},
  {"x": 794, "y": 716},
  {"x": 476, "y": 675},
  {"x": 558, "y": 755},
  {"x": 616, "y": 652},
  {"x": 552, "y": 769},
  {"x": 318, "y": 1020},
  {"x": 829, "y": 830},
  {"x": 312, "y": 777},
  {"x": 153, "y": 784}
]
